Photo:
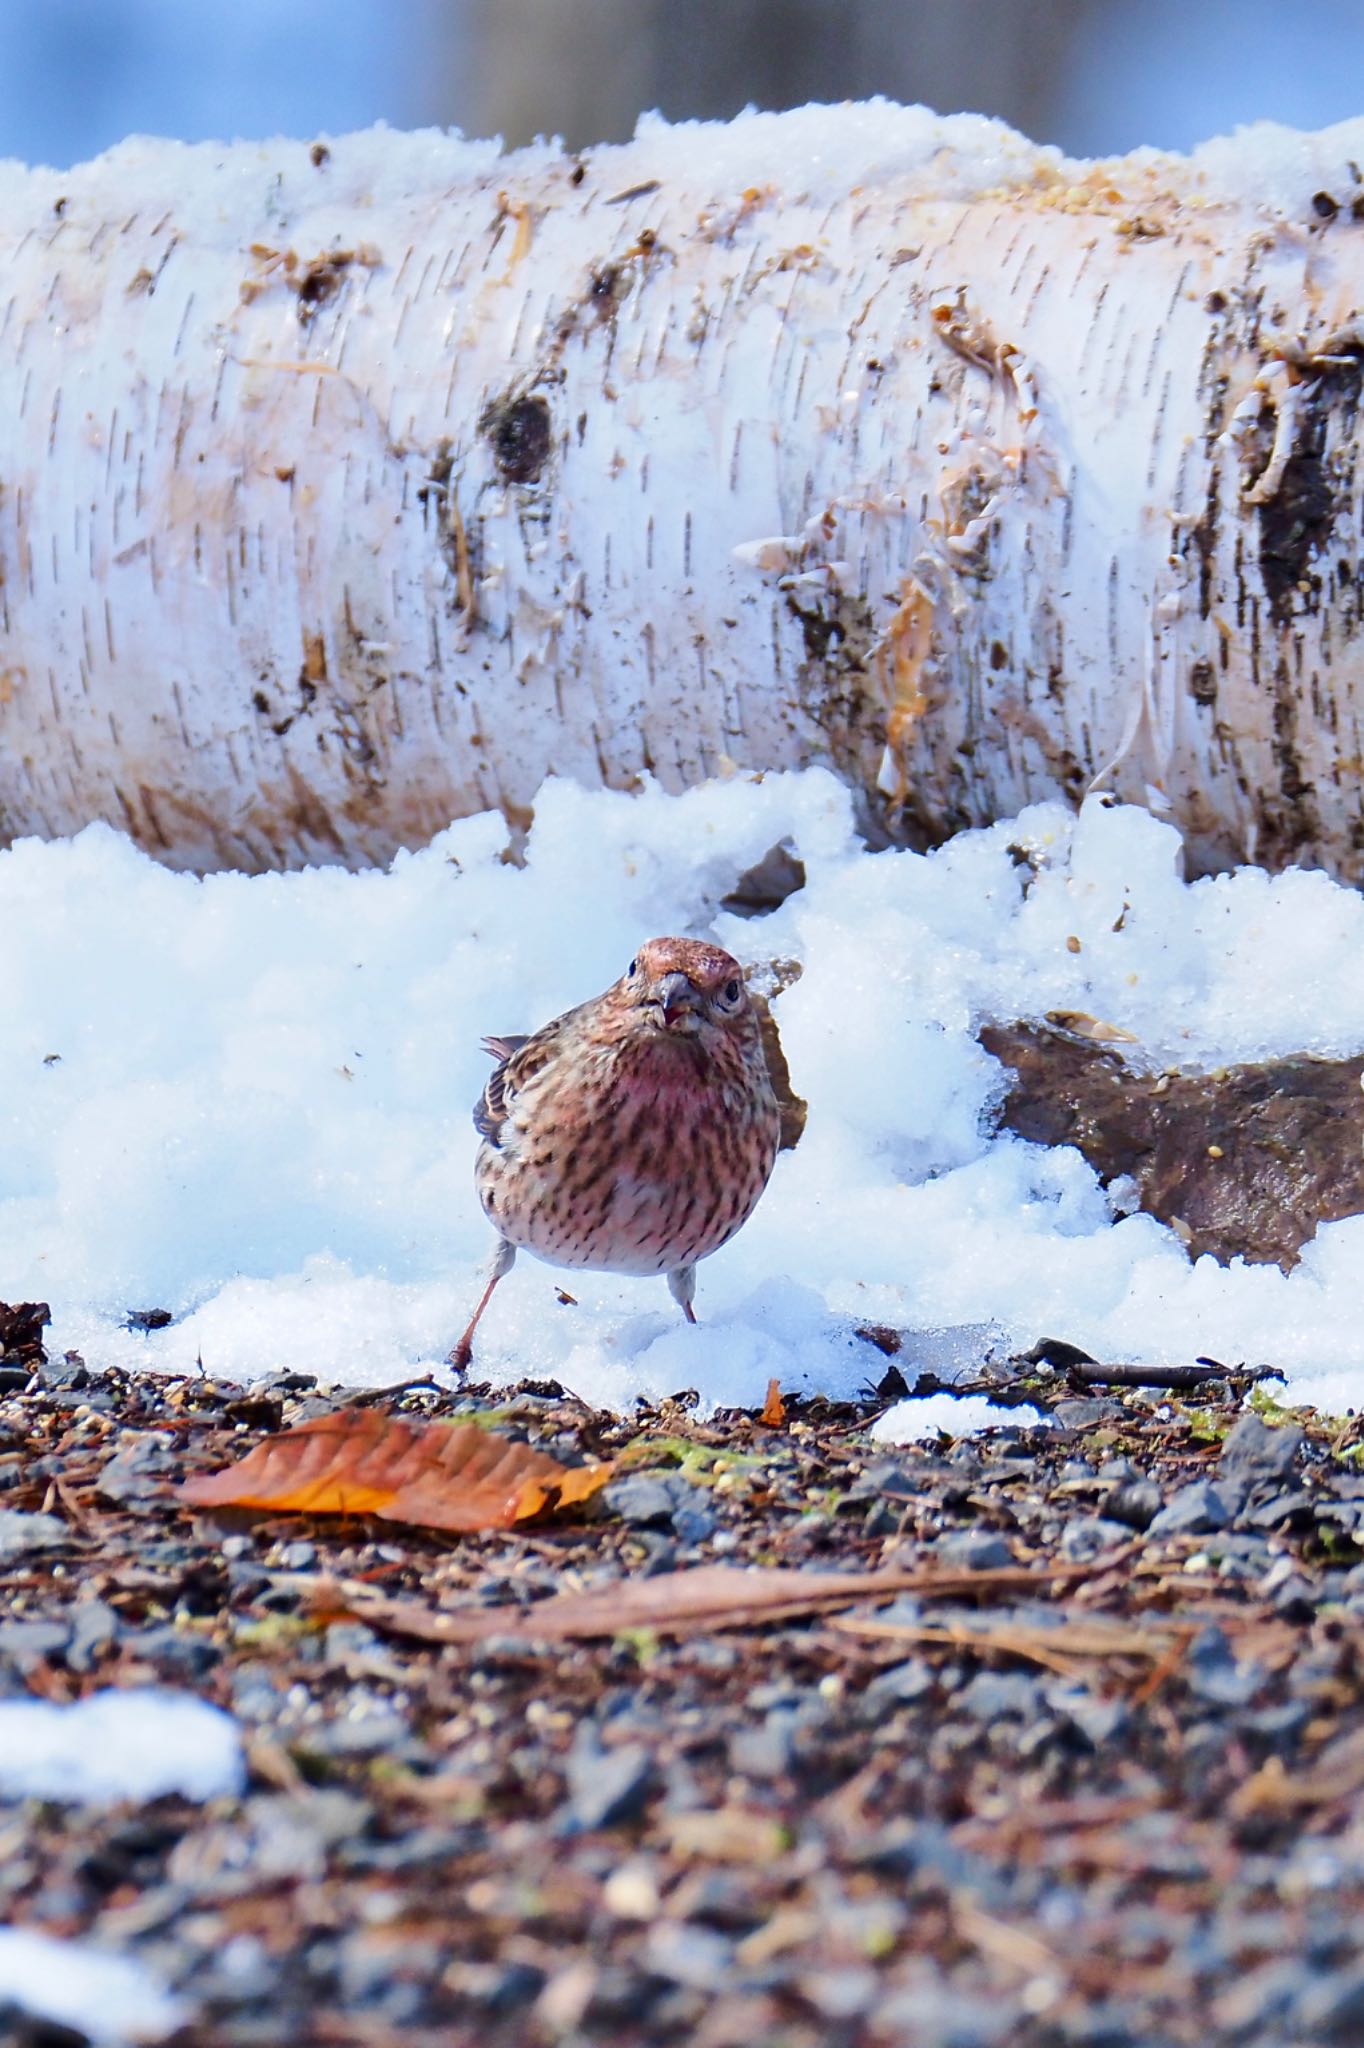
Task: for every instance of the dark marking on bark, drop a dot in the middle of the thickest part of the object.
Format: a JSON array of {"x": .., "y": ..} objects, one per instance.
[
  {"x": 318, "y": 282},
  {"x": 1287, "y": 706},
  {"x": 311, "y": 674},
  {"x": 460, "y": 542},
  {"x": 314, "y": 669},
  {"x": 1202, "y": 683},
  {"x": 1200, "y": 539},
  {"x": 609, "y": 286},
  {"x": 520, "y": 429},
  {"x": 306, "y": 818},
  {"x": 438, "y": 475},
  {"x": 1296, "y": 523},
  {"x": 837, "y": 690},
  {"x": 148, "y": 799}
]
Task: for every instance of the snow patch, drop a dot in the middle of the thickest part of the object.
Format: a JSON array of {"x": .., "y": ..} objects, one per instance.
[
  {"x": 227, "y": 192},
  {"x": 819, "y": 153},
  {"x": 910, "y": 1422},
  {"x": 136, "y": 1744},
  {"x": 246, "y": 1099},
  {"x": 1279, "y": 169},
  {"x": 109, "y": 1999}
]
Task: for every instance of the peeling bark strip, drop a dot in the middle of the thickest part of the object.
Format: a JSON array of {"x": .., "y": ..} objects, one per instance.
[{"x": 347, "y": 488}]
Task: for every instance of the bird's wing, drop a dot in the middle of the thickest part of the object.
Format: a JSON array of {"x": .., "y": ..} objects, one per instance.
[{"x": 517, "y": 1060}]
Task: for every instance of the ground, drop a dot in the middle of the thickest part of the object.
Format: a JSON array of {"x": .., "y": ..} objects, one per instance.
[{"x": 1096, "y": 1784}]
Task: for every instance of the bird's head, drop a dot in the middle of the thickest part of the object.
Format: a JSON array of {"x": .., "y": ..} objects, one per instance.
[{"x": 685, "y": 987}]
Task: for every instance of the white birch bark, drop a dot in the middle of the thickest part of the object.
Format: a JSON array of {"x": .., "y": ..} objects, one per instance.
[{"x": 345, "y": 489}]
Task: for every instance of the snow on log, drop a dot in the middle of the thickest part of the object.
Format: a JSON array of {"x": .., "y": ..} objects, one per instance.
[{"x": 350, "y": 486}]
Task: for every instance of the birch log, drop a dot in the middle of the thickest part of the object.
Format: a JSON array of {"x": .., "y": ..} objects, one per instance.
[{"x": 351, "y": 486}]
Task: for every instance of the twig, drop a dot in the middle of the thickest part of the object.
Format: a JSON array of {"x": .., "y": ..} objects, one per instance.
[
  {"x": 367, "y": 1397},
  {"x": 1083, "y": 1370},
  {"x": 1176, "y": 1377}
]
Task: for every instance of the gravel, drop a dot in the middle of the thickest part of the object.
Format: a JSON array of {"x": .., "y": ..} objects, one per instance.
[
  {"x": 1103, "y": 1790},
  {"x": 1193, "y": 1511},
  {"x": 21, "y": 1534}
]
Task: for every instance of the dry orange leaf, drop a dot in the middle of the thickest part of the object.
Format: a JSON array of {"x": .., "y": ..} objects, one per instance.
[
  {"x": 433, "y": 1475},
  {"x": 774, "y": 1408}
]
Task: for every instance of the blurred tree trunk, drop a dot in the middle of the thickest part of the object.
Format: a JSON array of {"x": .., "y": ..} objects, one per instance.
[
  {"x": 345, "y": 490},
  {"x": 582, "y": 69}
]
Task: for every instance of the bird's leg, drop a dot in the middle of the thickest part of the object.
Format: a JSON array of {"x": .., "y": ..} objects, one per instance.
[
  {"x": 682, "y": 1287},
  {"x": 502, "y": 1261}
]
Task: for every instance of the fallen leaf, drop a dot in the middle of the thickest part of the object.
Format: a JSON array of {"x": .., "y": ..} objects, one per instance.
[
  {"x": 774, "y": 1408},
  {"x": 1081, "y": 1025},
  {"x": 433, "y": 1475},
  {"x": 705, "y": 1596}
]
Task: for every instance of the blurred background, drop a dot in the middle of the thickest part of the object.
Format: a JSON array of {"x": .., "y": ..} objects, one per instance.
[{"x": 1095, "y": 76}]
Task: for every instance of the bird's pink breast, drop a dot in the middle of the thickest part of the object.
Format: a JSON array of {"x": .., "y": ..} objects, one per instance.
[{"x": 637, "y": 1164}]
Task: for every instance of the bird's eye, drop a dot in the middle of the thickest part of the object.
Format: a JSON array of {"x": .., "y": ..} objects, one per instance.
[
  {"x": 631, "y": 968},
  {"x": 731, "y": 991}
]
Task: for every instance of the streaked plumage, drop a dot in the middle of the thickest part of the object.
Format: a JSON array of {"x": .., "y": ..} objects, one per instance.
[{"x": 633, "y": 1134}]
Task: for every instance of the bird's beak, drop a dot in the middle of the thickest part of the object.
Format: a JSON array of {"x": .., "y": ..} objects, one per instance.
[{"x": 675, "y": 996}]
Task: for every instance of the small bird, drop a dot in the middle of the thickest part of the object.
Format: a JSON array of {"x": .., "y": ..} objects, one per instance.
[{"x": 633, "y": 1134}]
